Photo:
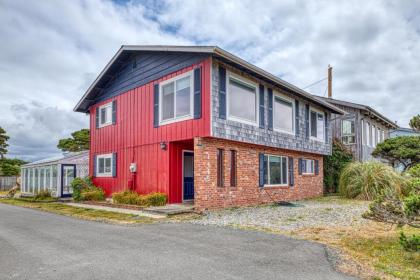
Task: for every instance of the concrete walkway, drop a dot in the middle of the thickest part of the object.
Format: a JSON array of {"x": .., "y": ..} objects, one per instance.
[{"x": 118, "y": 210}]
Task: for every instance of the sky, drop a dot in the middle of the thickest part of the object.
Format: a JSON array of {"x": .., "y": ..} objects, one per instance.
[{"x": 52, "y": 50}]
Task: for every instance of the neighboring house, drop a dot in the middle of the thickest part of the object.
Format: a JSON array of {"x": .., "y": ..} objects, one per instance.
[
  {"x": 203, "y": 125},
  {"x": 360, "y": 129},
  {"x": 54, "y": 174},
  {"x": 402, "y": 131}
]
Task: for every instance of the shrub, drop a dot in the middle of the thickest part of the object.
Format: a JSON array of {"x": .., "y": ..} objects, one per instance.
[
  {"x": 130, "y": 197},
  {"x": 412, "y": 205},
  {"x": 43, "y": 194},
  {"x": 334, "y": 164},
  {"x": 84, "y": 189},
  {"x": 414, "y": 171},
  {"x": 410, "y": 243},
  {"x": 368, "y": 180}
]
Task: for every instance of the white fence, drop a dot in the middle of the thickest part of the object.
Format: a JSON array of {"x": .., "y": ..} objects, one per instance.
[{"x": 7, "y": 182}]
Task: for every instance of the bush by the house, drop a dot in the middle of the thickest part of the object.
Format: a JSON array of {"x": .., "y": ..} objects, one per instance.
[
  {"x": 334, "y": 164},
  {"x": 130, "y": 197},
  {"x": 84, "y": 189},
  {"x": 412, "y": 205},
  {"x": 368, "y": 180},
  {"x": 410, "y": 243},
  {"x": 42, "y": 194},
  {"x": 414, "y": 171}
]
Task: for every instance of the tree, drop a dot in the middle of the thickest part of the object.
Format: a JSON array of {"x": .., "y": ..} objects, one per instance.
[
  {"x": 10, "y": 166},
  {"x": 3, "y": 142},
  {"x": 415, "y": 123},
  {"x": 79, "y": 141},
  {"x": 334, "y": 163},
  {"x": 402, "y": 149}
]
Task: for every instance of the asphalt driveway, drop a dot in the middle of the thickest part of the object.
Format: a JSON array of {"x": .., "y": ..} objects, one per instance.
[{"x": 39, "y": 245}]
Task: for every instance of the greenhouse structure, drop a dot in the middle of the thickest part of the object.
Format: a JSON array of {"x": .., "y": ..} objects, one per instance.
[{"x": 54, "y": 174}]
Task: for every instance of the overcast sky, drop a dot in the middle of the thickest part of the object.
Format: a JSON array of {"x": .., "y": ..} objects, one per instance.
[{"x": 51, "y": 51}]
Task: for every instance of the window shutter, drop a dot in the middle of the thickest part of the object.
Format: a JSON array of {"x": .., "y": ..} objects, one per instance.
[
  {"x": 97, "y": 117},
  {"x": 262, "y": 107},
  {"x": 296, "y": 117},
  {"x": 94, "y": 166},
  {"x": 307, "y": 121},
  {"x": 291, "y": 173},
  {"x": 261, "y": 170},
  {"x": 197, "y": 93},
  {"x": 316, "y": 167},
  {"x": 222, "y": 93},
  {"x": 114, "y": 111},
  {"x": 270, "y": 109},
  {"x": 300, "y": 163},
  {"x": 326, "y": 126},
  {"x": 114, "y": 165},
  {"x": 156, "y": 105}
]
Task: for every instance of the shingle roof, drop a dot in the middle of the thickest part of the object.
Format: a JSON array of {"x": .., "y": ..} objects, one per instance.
[{"x": 88, "y": 98}]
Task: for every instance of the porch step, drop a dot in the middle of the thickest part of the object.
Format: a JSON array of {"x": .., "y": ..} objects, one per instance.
[
  {"x": 171, "y": 209},
  {"x": 65, "y": 199}
]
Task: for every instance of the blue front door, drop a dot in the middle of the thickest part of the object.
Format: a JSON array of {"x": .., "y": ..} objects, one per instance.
[{"x": 188, "y": 176}]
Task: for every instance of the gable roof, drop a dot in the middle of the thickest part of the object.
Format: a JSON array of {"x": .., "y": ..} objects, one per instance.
[
  {"x": 73, "y": 157},
  {"x": 106, "y": 74},
  {"x": 364, "y": 108}
]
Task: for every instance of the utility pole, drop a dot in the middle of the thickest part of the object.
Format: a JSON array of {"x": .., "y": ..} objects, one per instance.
[{"x": 329, "y": 81}]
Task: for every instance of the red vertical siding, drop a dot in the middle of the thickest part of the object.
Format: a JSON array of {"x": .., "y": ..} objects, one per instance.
[{"x": 134, "y": 138}]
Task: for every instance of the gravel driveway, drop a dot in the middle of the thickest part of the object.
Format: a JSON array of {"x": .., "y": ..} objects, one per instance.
[{"x": 323, "y": 212}]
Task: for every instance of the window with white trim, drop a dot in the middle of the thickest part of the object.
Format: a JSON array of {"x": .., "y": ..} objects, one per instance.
[
  {"x": 105, "y": 114},
  {"x": 242, "y": 100},
  {"x": 373, "y": 136},
  {"x": 104, "y": 165},
  {"x": 317, "y": 125},
  {"x": 176, "y": 97},
  {"x": 276, "y": 170},
  {"x": 308, "y": 166},
  {"x": 368, "y": 135},
  {"x": 347, "y": 132},
  {"x": 283, "y": 115}
]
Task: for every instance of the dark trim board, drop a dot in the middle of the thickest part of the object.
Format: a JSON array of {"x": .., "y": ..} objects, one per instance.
[{"x": 62, "y": 178}]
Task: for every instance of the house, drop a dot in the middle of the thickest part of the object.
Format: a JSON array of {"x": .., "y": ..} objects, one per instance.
[
  {"x": 200, "y": 124},
  {"x": 360, "y": 129},
  {"x": 54, "y": 174}
]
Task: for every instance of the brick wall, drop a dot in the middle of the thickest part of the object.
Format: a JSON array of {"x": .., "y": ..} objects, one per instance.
[{"x": 247, "y": 192}]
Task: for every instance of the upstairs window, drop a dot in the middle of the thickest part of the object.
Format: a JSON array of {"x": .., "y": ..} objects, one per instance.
[
  {"x": 105, "y": 114},
  {"x": 317, "y": 125},
  {"x": 283, "y": 114},
  {"x": 276, "y": 171},
  {"x": 176, "y": 97},
  {"x": 242, "y": 99},
  {"x": 347, "y": 132}
]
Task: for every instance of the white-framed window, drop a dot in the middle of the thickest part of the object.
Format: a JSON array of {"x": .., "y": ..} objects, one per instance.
[
  {"x": 276, "y": 170},
  {"x": 283, "y": 114},
  {"x": 105, "y": 114},
  {"x": 104, "y": 165},
  {"x": 373, "y": 135},
  {"x": 383, "y": 135},
  {"x": 317, "y": 125},
  {"x": 347, "y": 132},
  {"x": 242, "y": 99},
  {"x": 308, "y": 166},
  {"x": 378, "y": 136},
  {"x": 176, "y": 99},
  {"x": 368, "y": 135}
]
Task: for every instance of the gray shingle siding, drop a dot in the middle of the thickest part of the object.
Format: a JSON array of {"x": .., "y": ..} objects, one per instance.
[{"x": 238, "y": 131}]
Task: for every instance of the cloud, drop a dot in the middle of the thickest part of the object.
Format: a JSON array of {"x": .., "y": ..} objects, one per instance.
[{"x": 53, "y": 50}]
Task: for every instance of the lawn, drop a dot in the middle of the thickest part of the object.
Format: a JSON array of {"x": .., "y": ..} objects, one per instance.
[
  {"x": 82, "y": 213},
  {"x": 369, "y": 249}
]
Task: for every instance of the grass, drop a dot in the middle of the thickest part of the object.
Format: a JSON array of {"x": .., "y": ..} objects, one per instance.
[{"x": 78, "y": 212}]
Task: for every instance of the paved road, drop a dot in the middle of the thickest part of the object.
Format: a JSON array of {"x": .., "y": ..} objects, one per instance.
[{"x": 38, "y": 245}]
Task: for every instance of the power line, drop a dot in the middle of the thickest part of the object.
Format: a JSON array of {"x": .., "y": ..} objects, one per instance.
[{"x": 315, "y": 83}]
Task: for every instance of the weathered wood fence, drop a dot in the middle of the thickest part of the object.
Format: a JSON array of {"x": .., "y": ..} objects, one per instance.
[{"x": 7, "y": 182}]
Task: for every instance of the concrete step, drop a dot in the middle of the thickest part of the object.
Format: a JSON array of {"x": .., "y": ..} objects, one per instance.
[{"x": 171, "y": 209}]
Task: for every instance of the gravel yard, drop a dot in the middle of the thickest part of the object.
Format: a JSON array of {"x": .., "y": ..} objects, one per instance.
[{"x": 322, "y": 212}]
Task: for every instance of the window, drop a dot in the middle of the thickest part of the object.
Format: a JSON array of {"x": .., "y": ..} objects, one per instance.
[
  {"x": 105, "y": 114},
  {"x": 176, "y": 97},
  {"x": 242, "y": 101},
  {"x": 220, "y": 171},
  {"x": 283, "y": 114},
  {"x": 233, "y": 168},
  {"x": 308, "y": 166},
  {"x": 317, "y": 125},
  {"x": 275, "y": 168},
  {"x": 373, "y": 135},
  {"x": 368, "y": 135},
  {"x": 104, "y": 165},
  {"x": 378, "y": 136},
  {"x": 347, "y": 132}
]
